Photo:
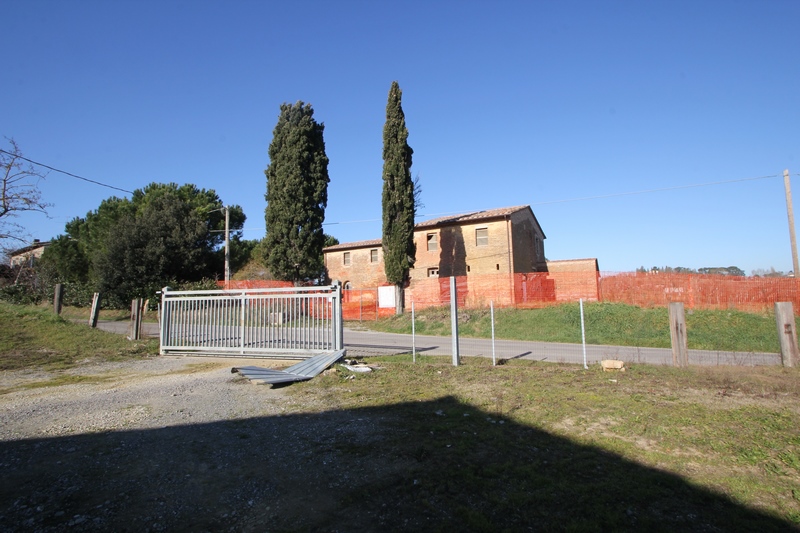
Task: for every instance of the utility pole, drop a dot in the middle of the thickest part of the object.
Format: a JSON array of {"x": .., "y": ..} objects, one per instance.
[
  {"x": 227, "y": 248},
  {"x": 790, "y": 211}
]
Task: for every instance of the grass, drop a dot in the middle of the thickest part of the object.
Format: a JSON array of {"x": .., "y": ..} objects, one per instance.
[
  {"x": 605, "y": 323},
  {"x": 654, "y": 448},
  {"x": 492, "y": 448},
  {"x": 114, "y": 315},
  {"x": 32, "y": 337}
]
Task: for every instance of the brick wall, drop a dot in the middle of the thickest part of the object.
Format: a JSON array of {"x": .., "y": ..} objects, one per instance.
[{"x": 362, "y": 272}]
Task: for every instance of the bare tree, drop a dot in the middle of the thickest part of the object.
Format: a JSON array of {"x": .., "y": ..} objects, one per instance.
[{"x": 19, "y": 192}]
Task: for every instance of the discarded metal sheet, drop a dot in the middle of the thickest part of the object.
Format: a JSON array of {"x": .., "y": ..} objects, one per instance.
[{"x": 302, "y": 371}]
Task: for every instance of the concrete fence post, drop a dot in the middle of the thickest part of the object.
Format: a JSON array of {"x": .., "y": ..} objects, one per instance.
[
  {"x": 787, "y": 333},
  {"x": 136, "y": 320},
  {"x": 677, "y": 334},
  {"x": 95, "y": 310},
  {"x": 58, "y": 296}
]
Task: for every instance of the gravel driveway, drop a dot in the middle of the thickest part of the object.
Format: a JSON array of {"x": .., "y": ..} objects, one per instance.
[{"x": 174, "y": 443}]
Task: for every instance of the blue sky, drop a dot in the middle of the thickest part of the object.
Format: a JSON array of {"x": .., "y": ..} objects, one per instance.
[{"x": 562, "y": 105}]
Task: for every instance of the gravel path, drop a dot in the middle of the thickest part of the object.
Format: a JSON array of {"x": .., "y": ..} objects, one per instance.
[{"x": 176, "y": 444}]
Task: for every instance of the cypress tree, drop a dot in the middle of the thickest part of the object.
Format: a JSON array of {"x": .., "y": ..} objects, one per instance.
[
  {"x": 399, "y": 250},
  {"x": 297, "y": 194}
]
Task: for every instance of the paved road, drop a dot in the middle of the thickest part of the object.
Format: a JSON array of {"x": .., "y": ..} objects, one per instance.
[
  {"x": 365, "y": 343},
  {"x": 373, "y": 343}
]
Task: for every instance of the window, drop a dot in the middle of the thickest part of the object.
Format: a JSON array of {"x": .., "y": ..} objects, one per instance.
[
  {"x": 433, "y": 272},
  {"x": 346, "y": 258},
  {"x": 373, "y": 256},
  {"x": 482, "y": 237},
  {"x": 433, "y": 242}
]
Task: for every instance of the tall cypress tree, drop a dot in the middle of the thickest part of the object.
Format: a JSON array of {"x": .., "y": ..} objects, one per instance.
[
  {"x": 297, "y": 194},
  {"x": 399, "y": 250}
]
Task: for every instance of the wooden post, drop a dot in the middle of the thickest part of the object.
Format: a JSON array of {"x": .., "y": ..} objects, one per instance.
[
  {"x": 58, "y": 296},
  {"x": 454, "y": 320},
  {"x": 790, "y": 212},
  {"x": 677, "y": 334},
  {"x": 95, "y": 310},
  {"x": 136, "y": 320},
  {"x": 784, "y": 319}
]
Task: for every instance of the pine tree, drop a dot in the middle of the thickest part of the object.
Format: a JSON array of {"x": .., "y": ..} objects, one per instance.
[
  {"x": 399, "y": 250},
  {"x": 297, "y": 194}
]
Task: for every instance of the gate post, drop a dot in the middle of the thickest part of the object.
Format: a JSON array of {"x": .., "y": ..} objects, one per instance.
[
  {"x": 164, "y": 322},
  {"x": 677, "y": 334},
  {"x": 784, "y": 319},
  {"x": 338, "y": 319}
]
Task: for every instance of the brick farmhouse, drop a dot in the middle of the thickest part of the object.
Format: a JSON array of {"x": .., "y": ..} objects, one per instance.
[{"x": 506, "y": 240}]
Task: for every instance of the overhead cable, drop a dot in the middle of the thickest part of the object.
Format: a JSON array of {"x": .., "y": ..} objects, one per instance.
[{"x": 65, "y": 172}]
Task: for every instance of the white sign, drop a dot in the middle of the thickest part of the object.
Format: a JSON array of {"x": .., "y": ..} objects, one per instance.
[{"x": 386, "y": 296}]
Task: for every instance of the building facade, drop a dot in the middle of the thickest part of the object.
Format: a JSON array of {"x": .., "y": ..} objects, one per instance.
[{"x": 507, "y": 240}]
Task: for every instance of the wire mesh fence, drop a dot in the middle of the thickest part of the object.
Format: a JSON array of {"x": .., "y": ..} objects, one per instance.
[
  {"x": 552, "y": 328},
  {"x": 539, "y": 289}
]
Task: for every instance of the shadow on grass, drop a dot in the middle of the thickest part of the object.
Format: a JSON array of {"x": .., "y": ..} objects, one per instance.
[{"x": 421, "y": 466}]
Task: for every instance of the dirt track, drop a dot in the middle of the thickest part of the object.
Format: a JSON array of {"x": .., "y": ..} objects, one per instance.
[{"x": 172, "y": 444}]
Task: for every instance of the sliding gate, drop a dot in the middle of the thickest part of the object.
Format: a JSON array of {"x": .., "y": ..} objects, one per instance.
[{"x": 285, "y": 323}]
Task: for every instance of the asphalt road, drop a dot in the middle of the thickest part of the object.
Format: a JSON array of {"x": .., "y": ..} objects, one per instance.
[{"x": 366, "y": 343}]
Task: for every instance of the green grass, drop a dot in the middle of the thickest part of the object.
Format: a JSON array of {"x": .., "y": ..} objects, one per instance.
[
  {"x": 32, "y": 337},
  {"x": 652, "y": 449},
  {"x": 490, "y": 448},
  {"x": 606, "y": 323}
]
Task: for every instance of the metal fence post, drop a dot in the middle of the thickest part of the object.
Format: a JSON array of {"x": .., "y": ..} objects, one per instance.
[
  {"x": 338, "y": 319},
  {"x": 583, "y": 337},
  {"x": 491, "y": 308},
  {"x": 413, "y": 334},
  {"x": 454, "y": 320}
]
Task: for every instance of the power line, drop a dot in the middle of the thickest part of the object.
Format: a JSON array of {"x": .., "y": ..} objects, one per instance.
[
  {"x": 599, "y": 197},
  {"x": 65, "y": 172}
]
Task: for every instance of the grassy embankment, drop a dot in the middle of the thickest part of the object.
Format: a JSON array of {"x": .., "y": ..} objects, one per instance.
[
  {"x": 606, "y": 323},
  {"x": 34, "y": 337},
  {"x": 490, "y": 448},
  {"x": 652, "y": 449}
]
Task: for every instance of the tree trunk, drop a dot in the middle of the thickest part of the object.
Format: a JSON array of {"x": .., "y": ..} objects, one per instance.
[{"x": 399, "y": 299}]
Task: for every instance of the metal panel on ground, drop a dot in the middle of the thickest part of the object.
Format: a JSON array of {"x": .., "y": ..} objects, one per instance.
[{"x": 302, "y": 371}]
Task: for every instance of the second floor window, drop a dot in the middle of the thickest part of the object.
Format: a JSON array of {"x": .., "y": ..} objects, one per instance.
[
  {"x": 433, "y": 242},
  {"x": 346, "y": 258},
  {"x": 482, "y": 237},
  {"x": 373, "y": 256}
]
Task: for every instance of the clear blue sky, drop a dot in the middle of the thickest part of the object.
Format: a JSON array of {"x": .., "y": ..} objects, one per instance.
[{"x": 561, "y": 105}]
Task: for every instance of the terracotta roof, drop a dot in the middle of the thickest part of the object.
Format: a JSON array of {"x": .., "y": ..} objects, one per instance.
[
  {"x": 358, "y": 244},
  {"x": 473, "y": 216},
  {"x": 29, "y": 248},
  {"x": 470, "y": 217}
]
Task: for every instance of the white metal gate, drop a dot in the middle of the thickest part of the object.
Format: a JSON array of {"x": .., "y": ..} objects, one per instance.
[{"x": 295, "y": 322}]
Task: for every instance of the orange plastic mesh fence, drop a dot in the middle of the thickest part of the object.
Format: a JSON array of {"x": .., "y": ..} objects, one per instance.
[{"x": 540, "y": 289}]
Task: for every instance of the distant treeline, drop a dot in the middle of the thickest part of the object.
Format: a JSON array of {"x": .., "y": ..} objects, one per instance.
[{"x": 722, "y": 271}]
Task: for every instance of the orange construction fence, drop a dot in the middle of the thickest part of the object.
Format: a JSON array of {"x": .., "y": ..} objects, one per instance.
[{"x": 538, "y": 289}]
